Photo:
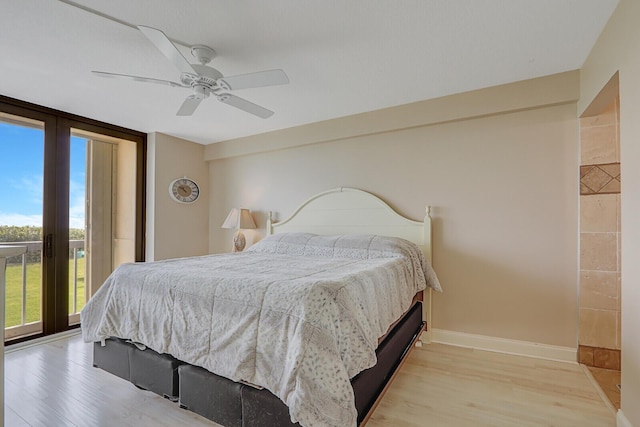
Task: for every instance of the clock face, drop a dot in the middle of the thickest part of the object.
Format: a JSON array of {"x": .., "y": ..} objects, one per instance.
[{"x": 184, "y": 190}]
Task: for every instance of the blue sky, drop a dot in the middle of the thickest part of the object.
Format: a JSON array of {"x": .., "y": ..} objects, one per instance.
[{"x": 21, "y": 176}]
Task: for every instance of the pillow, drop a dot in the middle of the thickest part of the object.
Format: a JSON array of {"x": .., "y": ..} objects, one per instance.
[{"x": 351, "y": 246}]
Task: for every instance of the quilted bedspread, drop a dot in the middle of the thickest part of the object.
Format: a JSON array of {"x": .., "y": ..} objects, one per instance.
[{"x": 298, "y": 314}]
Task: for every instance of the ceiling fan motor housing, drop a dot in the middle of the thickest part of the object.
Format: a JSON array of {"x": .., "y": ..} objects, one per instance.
[{"x": 204, "y": 82}]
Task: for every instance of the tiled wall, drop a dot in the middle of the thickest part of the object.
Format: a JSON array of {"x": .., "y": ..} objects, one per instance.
[{"x": 599, "y": 337}]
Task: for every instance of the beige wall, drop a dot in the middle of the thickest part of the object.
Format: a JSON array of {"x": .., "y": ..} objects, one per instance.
[
  {"x": 502, "y": 184},
  {"x": 617, "y": 50},
  {"x": 174, "y": 229}
]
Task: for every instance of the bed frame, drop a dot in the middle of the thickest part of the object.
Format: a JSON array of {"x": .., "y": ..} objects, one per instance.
[{"x": 338, "y": 211}]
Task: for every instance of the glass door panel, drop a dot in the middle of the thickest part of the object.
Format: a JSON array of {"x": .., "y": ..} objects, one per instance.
[
  {"x": 21, "y": 213},
  {"x": 77, "y": 225},
  {"x": 102, "y": 208}
]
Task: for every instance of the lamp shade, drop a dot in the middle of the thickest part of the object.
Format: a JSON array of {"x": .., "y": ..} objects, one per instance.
[
  {"x": 232, "y": 219},
  {"x": 239, "y": 218}
]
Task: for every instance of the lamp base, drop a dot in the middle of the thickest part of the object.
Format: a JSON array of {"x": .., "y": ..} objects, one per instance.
[{"x": 239, "y": 242}]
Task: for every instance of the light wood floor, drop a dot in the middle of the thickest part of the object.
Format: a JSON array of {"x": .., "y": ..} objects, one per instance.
[{"x": 54, "y": 384}]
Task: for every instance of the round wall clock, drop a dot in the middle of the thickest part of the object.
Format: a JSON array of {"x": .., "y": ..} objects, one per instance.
[{"x": 184, "y": 190}]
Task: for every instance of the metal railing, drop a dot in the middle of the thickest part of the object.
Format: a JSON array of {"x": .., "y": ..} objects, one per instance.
[
  {"x": 76, "y": 246},
  {"x": 25, "y": 327}
]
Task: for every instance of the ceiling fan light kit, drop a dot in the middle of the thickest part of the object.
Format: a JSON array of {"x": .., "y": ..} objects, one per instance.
[{"x": 204, "y": 80}]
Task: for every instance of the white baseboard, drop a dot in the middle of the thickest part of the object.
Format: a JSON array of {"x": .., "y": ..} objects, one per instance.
[
  {"x": 503, "y": 345},
  {"x": 621, "y": 420}
]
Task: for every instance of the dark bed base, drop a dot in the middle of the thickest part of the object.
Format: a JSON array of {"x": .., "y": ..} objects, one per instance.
[
  {"x": 146, "y": 369},
  {"x": 237, "y": 405}
]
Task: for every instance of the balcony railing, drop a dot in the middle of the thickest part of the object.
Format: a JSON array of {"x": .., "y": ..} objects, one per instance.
[{"x": 26, "y": 325}]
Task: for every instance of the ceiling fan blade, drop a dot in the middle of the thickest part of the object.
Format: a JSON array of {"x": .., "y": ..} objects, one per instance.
[
  {"x": 259, "y": 79},
  {"x": 245, "y": 105},
  {"x": 189, "y": 106},
  {"x": 137, "y": 79},
  {"x": 168, "y": 49}
]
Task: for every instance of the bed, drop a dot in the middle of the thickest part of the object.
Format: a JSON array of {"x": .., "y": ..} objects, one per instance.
[{"x": 305, "y": 317}]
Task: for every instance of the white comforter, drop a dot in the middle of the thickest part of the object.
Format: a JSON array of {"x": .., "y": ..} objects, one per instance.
[{"x": 299, "y": 314}]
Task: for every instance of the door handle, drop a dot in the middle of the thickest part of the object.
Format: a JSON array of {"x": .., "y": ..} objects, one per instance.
[{"x": 48, "y": 246}]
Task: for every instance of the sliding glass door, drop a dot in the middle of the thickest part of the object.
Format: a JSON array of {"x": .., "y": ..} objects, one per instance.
[
  {"x": 21, "y": 220},
  {"x": 72, "y": 193},
  {"x": 102, "y": 209}
]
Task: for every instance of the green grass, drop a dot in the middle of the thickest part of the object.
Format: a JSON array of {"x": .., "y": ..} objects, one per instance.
[{"x": 13, "y": 298}]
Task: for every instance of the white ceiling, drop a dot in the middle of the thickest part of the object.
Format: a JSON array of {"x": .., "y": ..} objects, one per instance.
[{"x": 342, "y": 57}]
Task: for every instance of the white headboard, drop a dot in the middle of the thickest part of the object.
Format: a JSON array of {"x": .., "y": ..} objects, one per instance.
[{"x": 350, "y": 211}]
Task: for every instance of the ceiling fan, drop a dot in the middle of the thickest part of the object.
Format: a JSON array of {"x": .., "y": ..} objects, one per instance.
[{"x": 204, "y": 80}]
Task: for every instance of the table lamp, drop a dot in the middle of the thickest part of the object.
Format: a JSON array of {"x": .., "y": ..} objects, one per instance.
[{"x": 239, "y": 219}]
